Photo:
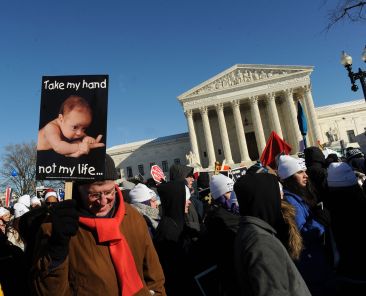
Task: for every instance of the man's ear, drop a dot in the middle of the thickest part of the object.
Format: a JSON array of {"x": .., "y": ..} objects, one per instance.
[{"x": 60, "y": 118}]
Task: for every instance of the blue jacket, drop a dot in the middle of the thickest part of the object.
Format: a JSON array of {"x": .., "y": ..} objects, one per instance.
[{"x": 313, "y": 263}]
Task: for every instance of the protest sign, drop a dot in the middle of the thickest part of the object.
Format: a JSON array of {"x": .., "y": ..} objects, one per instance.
[
  {"x": 72, "y": 127},
  {"x": 235, "y": 174},
  {"x": 157, "y": 173}
]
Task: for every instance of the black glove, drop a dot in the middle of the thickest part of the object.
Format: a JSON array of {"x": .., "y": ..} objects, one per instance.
[
  {"x": 65, "y": 224},
  {"x": 321, "y": 215}
]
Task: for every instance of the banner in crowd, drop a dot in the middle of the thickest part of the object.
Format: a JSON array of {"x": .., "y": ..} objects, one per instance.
[
  {"x": 234, "y": 174},
  {"x": 8, "y": 192},
  {"x": 72, "y": 127}
]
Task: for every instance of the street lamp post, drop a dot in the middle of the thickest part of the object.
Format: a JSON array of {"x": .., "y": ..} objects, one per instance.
[{"x": 346, "y": 61}]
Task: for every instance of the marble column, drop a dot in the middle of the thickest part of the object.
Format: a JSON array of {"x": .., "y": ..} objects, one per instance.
[
  {"x": 208, "y": 137},
  {"x": 192, "y": 134},
  {"x": 294, "y": 126},
  {"x": 313, "y": 117},
  {"x": 273, "y": 114},
  {"x": 224, "y": 135},
  {"x": 257, "y": 124},
  {"x": 240, "y": 133}
]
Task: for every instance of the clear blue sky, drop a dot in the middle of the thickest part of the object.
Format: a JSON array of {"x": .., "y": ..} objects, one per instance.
[{"x": 156, "y": 50}]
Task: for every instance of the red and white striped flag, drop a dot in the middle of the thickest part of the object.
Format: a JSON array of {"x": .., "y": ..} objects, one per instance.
[{"x": 8, "y": 192}]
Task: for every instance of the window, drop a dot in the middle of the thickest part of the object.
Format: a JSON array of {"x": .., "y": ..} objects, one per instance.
[
  {"x": 351, "y": 136},
  {"x": 151, "y": 164},
  {"x": 141, "y": 169},
  {"x": 164, "y": 164},
  {"x": 129, "y": 172},
  {"x": 176, "y": 161},
  {"x": 219, "y": 151},
  {"x": 204, "y": 153}
]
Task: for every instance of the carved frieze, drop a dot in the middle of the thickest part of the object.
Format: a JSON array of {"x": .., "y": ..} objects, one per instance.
[{"x": 242, "y": 76}]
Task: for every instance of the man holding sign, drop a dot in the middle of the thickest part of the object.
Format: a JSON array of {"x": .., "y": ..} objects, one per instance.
[{"x": 96, "y": 244}]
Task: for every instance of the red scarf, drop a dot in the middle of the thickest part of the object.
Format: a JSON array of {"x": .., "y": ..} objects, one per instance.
[{"x": 107, "y": 230}]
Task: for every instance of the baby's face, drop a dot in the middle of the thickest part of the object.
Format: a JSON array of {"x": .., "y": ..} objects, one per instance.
[{"x": 74, "y": 123}]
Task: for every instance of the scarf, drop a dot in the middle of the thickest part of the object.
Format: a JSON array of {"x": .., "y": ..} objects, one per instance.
[
  {"x": 150, "y": 213},
  {"x": 108, "y": 231}
]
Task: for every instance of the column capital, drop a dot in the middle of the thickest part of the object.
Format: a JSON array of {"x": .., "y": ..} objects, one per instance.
[
  {"x": 271, "y": 96},
  {"x": 235, "y": 103},
  {"x": 253, "y": 100},
  {"x": 188, "y": 113},
  {"x": 203, "y": 110},
  {"x": 219, "y": 106},
  {"x": 307, "y": 88},
  {"x": 288, "y": 92}
]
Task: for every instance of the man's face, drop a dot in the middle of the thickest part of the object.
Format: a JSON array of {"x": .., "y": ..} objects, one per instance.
[
  {"x": 98, "y": 197},
  {"x": 74, "y": 123},
  {"x": 189, "y": 180}
]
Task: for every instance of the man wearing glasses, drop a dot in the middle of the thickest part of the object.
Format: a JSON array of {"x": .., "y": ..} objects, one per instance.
[{"x": 99, "y": 245}]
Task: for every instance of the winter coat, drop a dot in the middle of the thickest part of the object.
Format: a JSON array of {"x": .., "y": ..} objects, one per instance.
[
  {"x": 347, "y": 206},
  {"x": 222, "y": 226},
  {"x": 263, "y": 264},
  {"x": 314, "y": 264},
  {"x": 88, "y": 268}
]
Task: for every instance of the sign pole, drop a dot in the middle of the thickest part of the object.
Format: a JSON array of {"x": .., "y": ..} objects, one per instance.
[{"x": 68, "y": 190}]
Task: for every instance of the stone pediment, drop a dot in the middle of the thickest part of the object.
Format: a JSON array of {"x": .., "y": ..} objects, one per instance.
[{"x": 245, "y": 75}]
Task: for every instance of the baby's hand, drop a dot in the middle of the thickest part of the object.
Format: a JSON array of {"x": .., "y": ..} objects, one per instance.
[
  {"x": 83, "y": 148},
  {"x": 89, "y": 140},
  {"x": 96, "y": 143}
]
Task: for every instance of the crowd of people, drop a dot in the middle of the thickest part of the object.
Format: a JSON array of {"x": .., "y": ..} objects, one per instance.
[{"x": 292, "y": 229}]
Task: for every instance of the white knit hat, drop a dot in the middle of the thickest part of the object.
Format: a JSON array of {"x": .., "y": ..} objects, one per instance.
[
  {"x": 220, "y": 184},
  {"x": 340, "y": 174},
  {"x": 141, "y": 193},
  {"x": 50, "y": 193},
  {"x": 19, "y": 210},
  {"x": 3, "y": 211},
  {"x": 35, "y": 201},
  {"x": 25, "y": 200},
  {"x": 288, "y": 166}
]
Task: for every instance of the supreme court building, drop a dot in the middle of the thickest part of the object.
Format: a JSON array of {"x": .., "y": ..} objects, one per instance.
[{"x": 231, "y": 115}]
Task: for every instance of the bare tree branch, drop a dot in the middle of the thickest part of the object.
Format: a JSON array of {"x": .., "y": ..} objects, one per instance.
[{"x": 352, "y": 10}]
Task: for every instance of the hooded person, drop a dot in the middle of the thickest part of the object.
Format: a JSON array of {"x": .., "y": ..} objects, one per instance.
[
  {"x": 347, "y": 205},
  {"x": 143, "y": 199},
  {"x": 178, "y": 172},
  {"x": 259, "y": 254},
  {"x": 173, "y": 239},
  {"x": 222, "y": 223},
  {"x": 316, "y": 170},
  {"x": 96, "y": 244}
]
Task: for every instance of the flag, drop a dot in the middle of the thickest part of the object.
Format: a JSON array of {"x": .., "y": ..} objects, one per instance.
[
  {"x": 275, "y": 145},
  {"x": 301, "y": 120},
  {"x": 8, "y": 192}
]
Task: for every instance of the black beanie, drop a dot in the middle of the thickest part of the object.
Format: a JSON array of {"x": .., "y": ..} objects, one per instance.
[{"x": 110, "y": 172}]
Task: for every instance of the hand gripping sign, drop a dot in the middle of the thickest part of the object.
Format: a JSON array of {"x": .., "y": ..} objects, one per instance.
[{"x": 157, "y": 174}]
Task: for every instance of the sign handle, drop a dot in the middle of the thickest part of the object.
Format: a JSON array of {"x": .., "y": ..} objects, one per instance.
[{"x": 68, "y": 190}]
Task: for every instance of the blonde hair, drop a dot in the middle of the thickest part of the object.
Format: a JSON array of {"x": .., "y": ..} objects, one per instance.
[{"x": 294, "y": 241}]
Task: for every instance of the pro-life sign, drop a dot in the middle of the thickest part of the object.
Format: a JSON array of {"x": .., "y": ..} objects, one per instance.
[{"x": 73, "y": 126}]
